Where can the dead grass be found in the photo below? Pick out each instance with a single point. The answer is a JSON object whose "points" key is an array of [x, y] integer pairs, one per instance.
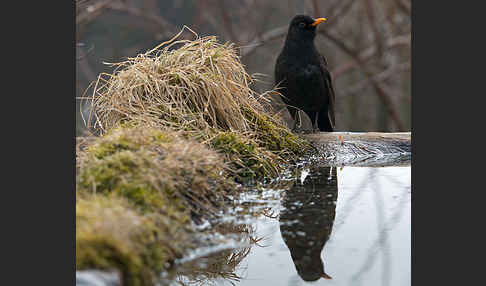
{"points": [[199, 85]]}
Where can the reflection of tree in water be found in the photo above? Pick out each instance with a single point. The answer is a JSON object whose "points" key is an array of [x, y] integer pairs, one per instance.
{"points": [[381, 243], [307, 219], [222, 264]]}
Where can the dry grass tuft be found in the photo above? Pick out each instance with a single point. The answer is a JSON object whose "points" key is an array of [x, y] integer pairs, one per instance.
{"points": [[198, 86]]}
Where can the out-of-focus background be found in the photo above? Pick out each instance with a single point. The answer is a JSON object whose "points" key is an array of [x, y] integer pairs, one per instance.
{"points": [[367, 44]]}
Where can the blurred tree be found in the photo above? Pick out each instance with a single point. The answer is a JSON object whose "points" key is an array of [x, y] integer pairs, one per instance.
{"points": [[367, 44]]}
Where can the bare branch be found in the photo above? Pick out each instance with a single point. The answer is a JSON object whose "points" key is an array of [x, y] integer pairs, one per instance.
{"points": [[404, 7], [198, 17], [344, 8], [367, 54], [228, 27], [90, 49], [85, 66], [168, 29], [260, 40], [382, 76], [315, 6], [385, 98], [378, 37], [86, 12], [279, 32]]}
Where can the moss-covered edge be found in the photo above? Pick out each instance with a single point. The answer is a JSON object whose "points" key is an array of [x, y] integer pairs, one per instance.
{"points": [[116, 166]]}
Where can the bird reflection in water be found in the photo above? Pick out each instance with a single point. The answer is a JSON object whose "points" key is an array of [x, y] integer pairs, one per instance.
{"points": [[307, 219]]}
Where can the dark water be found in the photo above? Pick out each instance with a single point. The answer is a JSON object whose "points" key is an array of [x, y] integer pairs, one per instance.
{"points": [[328, 226]]}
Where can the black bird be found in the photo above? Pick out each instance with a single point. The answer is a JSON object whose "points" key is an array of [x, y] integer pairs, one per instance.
{"points": [[302, 74]]}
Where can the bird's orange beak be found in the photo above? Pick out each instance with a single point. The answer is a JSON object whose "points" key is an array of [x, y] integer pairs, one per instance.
{"points": [[318, 21]]}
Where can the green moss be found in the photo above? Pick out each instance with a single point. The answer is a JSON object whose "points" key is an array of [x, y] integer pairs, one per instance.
{"points": [[110, 234], [120, 173], [262, 152], [156, 171], [275, 136], [105, 254], [233, 143], [248, 159], [118, 139]]}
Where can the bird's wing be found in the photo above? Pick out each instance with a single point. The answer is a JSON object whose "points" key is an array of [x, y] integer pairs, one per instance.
{"points": [[332, 97], [332, 101], [280, 78]]}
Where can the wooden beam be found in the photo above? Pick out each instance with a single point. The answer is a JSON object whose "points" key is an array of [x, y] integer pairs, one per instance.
{"points": [[362, 148], [372, 149]]}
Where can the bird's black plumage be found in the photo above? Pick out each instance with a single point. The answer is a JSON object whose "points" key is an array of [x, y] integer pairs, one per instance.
{"points": [[302, 74]]}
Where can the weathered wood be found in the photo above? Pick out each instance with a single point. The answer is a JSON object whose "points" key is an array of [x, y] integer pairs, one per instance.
{"points": [[356, 149], [362, 148], [395, 141]]}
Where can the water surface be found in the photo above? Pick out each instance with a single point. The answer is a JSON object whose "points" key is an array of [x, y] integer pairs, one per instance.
{"points": [[328, 226]]}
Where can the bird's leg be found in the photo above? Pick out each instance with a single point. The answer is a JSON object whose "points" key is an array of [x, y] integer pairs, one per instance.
{"points": [[297, 115], [293, 112], [313, 115], [315, 125], [293, 125]]}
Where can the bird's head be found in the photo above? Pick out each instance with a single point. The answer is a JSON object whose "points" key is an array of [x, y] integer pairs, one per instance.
{"points": [[311, 267], [304, 27]]}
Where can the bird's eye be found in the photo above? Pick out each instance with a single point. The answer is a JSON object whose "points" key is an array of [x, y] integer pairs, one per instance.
{"points": [[302, 24]]}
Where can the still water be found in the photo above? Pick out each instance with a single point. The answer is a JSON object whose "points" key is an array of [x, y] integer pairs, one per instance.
{"points": [[327, 226]]}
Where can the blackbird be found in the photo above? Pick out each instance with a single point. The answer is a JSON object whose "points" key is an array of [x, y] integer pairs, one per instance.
{"points": [[302, 75]]}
